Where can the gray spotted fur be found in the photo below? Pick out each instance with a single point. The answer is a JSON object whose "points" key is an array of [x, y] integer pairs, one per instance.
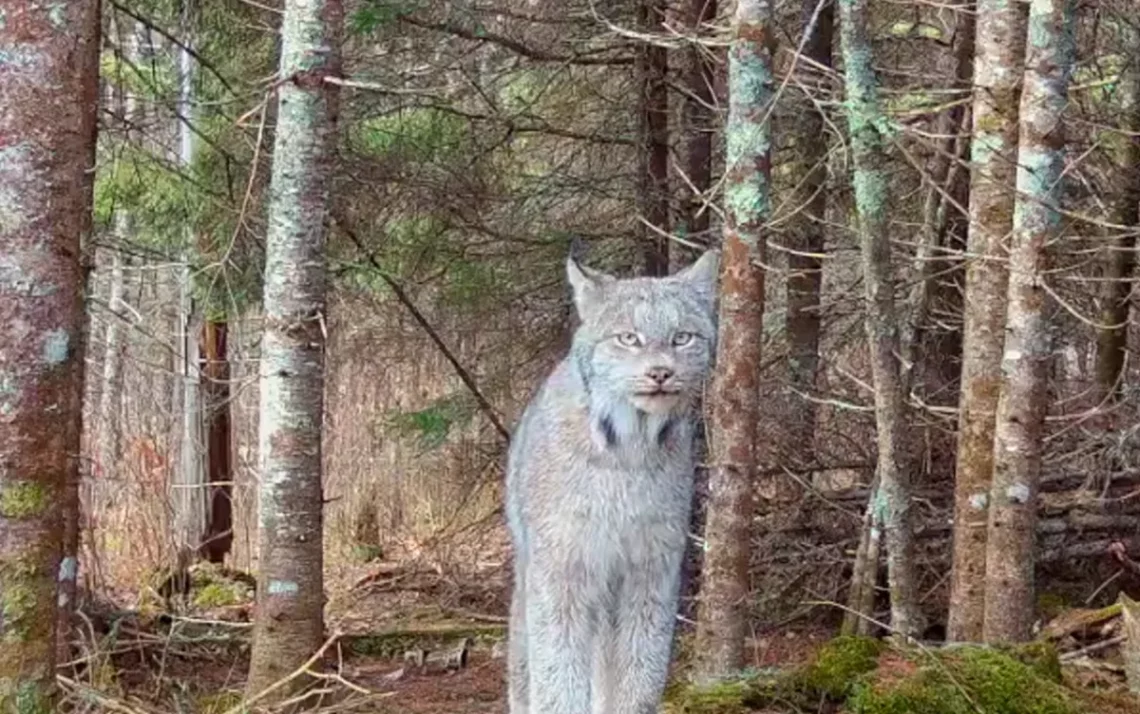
{"points": [[599, 489]]}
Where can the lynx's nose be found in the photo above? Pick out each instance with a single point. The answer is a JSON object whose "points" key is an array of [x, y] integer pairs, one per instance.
{"points": [[659, 374]]}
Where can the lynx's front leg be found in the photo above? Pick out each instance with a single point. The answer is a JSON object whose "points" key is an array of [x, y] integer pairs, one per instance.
{"points": [[517, 677], [561, 622], [647, 611]]}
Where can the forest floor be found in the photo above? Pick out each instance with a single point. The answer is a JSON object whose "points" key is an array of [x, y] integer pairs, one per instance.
{"points": [[399, 632], [409, 640]]}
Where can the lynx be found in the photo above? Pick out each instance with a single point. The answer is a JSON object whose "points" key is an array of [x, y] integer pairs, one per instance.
{"points": [[599, 489]]}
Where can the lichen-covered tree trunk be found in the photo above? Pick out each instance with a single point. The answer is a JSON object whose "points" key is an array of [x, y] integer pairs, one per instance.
{"points": [[1120, 259], [997, 81], [698, 121], [48, 83], [289, 624], [866, 121], [653, 179], [722, 619], [1011, 535], [806, 238]]}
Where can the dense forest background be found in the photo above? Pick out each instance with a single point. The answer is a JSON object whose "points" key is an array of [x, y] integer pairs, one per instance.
{"points": [[909, 268]]}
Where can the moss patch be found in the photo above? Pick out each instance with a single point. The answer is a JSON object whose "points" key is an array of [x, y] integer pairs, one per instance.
{"points": [[837, 666], [864, 676], [22, 499], [963, 681]]}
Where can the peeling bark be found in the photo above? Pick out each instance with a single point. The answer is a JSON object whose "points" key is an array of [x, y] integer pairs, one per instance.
{"points": [[1010, 540], [722, 619], [48, 86], [866, 122], [289, 624], [997, 85], [218, 536]]}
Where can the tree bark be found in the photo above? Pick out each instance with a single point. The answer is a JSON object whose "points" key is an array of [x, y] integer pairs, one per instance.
{"points": [[47, 132], [1011, 535], [1120, 259], [997, 85], [289, 624], [189, 476], [865, 120], [108, 431], [218, 536], [653, 181], [722, 619], [806, 237]]}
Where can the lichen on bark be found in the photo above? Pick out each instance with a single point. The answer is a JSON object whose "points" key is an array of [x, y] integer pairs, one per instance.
{"points": [[722, 617], [998, 52], [289, 624], [46, 146], [868, 127], [1019, 426]]}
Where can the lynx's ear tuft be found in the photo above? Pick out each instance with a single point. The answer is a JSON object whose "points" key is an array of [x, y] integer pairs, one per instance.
{"points": [[701, 276], [587, 285]]}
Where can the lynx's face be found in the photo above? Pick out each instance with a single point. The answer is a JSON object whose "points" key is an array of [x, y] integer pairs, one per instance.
{"points": [[649, 341]]}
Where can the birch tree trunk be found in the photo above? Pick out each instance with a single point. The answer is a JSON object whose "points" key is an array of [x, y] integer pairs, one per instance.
{"points": [[865, 121], [48, 98], [108, 431], [289, 623], [189, 483], [997, 84], [722, 618], [1120, 259], [653, 180], [1011, 537]]}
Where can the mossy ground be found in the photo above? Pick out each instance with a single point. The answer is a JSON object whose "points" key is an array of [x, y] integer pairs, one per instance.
{"points": [[862, 676]]}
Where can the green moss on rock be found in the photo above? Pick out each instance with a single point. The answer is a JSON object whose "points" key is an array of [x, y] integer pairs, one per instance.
{"points": [[961, 681], [729, 697], [837, 666]]}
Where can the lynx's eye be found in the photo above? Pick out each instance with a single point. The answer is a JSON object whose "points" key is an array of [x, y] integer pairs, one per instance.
{"points": [[680, 339], [629, 339]]}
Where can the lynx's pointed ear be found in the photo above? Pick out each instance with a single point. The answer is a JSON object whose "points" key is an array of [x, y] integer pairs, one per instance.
{"points": [[701, 276], [587, 285]]}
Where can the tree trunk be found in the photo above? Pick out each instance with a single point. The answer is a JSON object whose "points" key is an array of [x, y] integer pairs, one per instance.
{"points": [[653, 176], [189, 482], [1120, 259], [892, 498], [938, 286], [806, 237], [865, 573], [218, 537], [1011, 536], [47, 132], [108, 431], [997, 85], [289, 624], [699, 123], [733, 434]]}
